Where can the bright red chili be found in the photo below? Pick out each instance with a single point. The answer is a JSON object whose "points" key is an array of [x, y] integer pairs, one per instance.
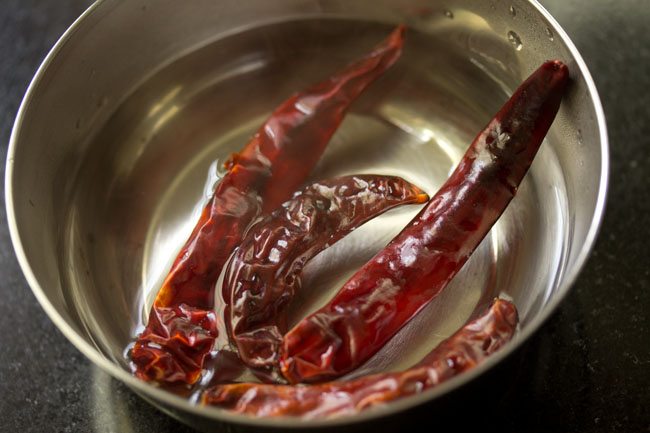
{"points": [[265, 271], [464, 350], [402, 278], [181, 328]]}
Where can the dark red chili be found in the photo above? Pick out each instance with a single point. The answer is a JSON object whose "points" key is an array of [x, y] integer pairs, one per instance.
{"points": [[464, 350], [264, 273], [264, 174], [402, 278]]}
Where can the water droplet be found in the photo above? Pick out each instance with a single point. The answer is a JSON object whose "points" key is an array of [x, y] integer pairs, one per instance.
{"points": [[513, 11], [515, 40], [549, 33], [449, 14]]}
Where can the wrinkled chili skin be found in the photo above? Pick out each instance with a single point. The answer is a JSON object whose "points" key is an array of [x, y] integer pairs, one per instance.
{"points": [[464, 350], [264, 273], [174, 336], [402, 278], [264, 174]]}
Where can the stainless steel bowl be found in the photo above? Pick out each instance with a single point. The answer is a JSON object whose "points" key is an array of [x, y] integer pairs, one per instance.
{"points": [[115, 138]]}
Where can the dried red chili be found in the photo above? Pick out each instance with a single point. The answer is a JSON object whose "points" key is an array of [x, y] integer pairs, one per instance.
{"points": [[464, 350], [264, 174], [402, 278], [264, 273]]}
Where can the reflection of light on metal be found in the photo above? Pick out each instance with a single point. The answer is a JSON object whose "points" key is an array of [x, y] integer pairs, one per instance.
{"points": [[408, 123], [161, 258], [562, 231], [494, 236], [161, 113], [472, 20], [165, 117], [420, 128], [245, 65], [165, 100], [498, 79]]}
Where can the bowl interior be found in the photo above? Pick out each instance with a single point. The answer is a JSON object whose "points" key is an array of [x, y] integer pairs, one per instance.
{"points": [[148, 171], [106, 189]]}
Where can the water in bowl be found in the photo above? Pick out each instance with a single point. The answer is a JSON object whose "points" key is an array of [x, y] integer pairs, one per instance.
{"points": [[165, 143]]}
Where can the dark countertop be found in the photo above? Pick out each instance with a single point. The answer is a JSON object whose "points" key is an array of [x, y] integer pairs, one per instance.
{"points": [[586, 370]]}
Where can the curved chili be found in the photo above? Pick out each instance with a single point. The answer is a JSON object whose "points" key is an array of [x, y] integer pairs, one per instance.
{"points": [[265, 271], [464, 350], [417, 264], [266, 172]]}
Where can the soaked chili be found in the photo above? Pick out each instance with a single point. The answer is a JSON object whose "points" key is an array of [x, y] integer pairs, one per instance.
{"points": [[181, 328], [464, 350], [402, 278], [265, 271]]}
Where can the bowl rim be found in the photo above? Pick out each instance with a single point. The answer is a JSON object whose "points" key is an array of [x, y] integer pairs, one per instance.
{"points": [[172, 402]]}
